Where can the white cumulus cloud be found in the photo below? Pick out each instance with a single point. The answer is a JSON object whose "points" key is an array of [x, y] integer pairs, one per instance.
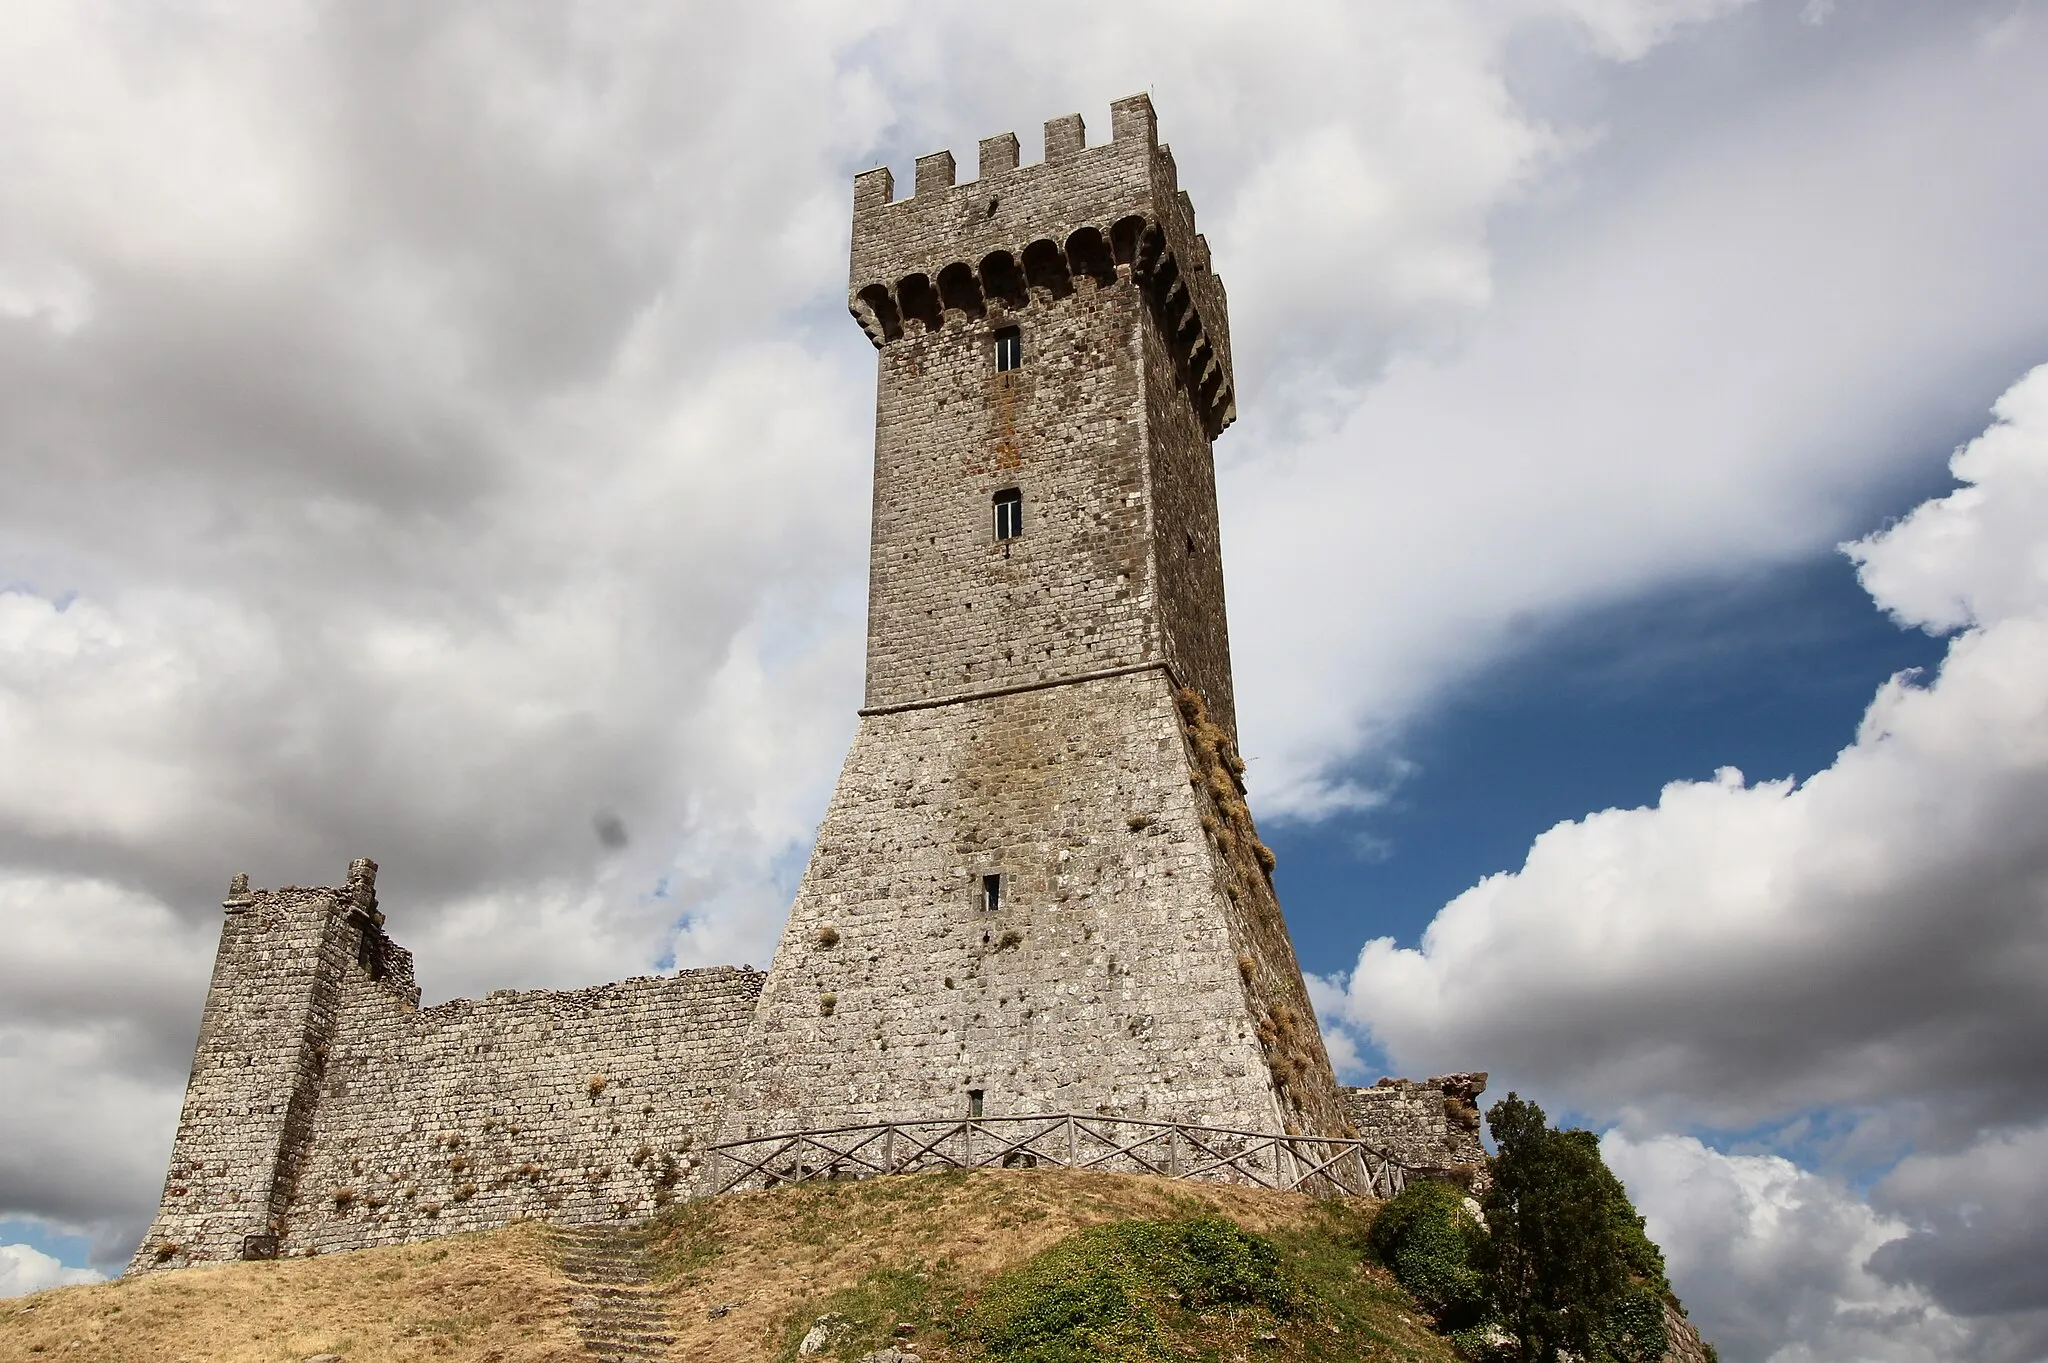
{"points": [[25, 1269]]}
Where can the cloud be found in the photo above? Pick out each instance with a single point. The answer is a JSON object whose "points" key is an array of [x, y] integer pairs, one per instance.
{"points": [[96, 1033], [25, 1269], [1979, 1219], [1703, 352], [1771, 1259], [1871, 939], [1889, 913]]}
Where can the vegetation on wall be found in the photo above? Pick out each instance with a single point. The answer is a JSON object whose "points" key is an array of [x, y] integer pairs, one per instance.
{"points": [[1281, 1011]]}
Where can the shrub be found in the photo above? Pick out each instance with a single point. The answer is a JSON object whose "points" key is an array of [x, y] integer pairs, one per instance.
{"points": [[1104, 1292], [1432, 1244]]}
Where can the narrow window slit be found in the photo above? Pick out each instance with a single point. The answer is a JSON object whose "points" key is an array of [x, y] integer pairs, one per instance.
{"points": [[1009, 349], [1009, 514]]}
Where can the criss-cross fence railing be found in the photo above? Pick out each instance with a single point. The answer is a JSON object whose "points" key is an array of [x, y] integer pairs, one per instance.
{"points": [[1323, 1165]]}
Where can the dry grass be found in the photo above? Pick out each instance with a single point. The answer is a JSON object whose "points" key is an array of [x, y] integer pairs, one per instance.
{"points": [[775, 1257], [491, 1298]]}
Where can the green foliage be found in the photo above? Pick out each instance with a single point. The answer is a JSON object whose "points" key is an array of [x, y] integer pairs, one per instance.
{"points": [[1570, 1266], [1108, 1292], [1188, 1286], [1431, 1243], [1634, 1328]]}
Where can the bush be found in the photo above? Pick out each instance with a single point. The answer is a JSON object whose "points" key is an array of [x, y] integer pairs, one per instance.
{"points": [[1101, 1294], [1432, 1244]]}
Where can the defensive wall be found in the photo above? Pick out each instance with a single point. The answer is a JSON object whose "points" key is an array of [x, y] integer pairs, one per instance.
{"points": [[328, 1110]]}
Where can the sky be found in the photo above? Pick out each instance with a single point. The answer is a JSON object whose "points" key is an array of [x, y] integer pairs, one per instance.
{"points": [[435, 434]]}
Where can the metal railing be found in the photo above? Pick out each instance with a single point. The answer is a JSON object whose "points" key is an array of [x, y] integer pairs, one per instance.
{"points": [[1325, 1166]]}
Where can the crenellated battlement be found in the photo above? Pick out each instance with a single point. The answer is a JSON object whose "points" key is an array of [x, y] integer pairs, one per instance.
{"points": [[1023, 236]]}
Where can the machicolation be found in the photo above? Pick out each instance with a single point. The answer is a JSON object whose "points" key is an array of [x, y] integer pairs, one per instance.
{"points": [[1038, 888]]}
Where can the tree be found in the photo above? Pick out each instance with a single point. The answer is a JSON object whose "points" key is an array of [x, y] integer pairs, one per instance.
{"points": [[1566, 1255]]}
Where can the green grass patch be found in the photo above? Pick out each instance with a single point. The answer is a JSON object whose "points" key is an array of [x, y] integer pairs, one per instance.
{"points": [[1131, 1292]]}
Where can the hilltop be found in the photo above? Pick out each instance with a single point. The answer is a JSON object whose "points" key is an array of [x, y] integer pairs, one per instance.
{"points": [[925, 1260]]}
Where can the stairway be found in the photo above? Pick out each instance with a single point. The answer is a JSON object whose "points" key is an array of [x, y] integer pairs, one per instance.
{"points": [[617, 1313]]}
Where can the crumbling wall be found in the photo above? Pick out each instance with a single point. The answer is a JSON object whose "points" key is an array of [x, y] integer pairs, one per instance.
{"points": [[1430, 1125], [263, 1037], [568, 1106], [327, 1111]]}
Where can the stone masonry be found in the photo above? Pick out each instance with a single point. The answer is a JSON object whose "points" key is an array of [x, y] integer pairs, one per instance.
{"points": [[1038, 887], [1049, 713], [328, 1110], [1432, 1126]]}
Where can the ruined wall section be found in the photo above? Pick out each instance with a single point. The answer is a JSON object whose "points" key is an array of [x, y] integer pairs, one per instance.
{"points": [[1430, 1125], [953, 610], [326, 1111], [263, 1040], [565, 1106], [1107, 981]]}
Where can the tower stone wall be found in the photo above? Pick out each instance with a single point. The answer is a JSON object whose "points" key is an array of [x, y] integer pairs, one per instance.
{"points": [[1104, 427], [1051, 709]]}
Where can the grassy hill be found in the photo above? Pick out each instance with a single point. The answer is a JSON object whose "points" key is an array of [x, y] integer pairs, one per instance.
{"points": [[989, 1265]]}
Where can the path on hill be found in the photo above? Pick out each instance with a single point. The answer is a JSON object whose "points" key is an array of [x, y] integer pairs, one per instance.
{"points": [[617, 1312]]}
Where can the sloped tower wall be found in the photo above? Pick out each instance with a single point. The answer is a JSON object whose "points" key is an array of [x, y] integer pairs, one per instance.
{"points": [[1052, 709]]}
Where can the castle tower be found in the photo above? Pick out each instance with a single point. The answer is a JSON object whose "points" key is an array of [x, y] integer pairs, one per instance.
{"points": [[1038, 888]]}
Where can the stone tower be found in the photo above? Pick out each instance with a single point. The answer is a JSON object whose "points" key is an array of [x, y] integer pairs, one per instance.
{"points": [[1038, 888]]}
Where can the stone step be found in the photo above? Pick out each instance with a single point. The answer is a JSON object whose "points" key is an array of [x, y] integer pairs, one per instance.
{"points": [[619, 1316]]}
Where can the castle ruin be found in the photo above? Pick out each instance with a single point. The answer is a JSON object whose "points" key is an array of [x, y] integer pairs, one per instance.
{"points": [[1038, 887]]}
